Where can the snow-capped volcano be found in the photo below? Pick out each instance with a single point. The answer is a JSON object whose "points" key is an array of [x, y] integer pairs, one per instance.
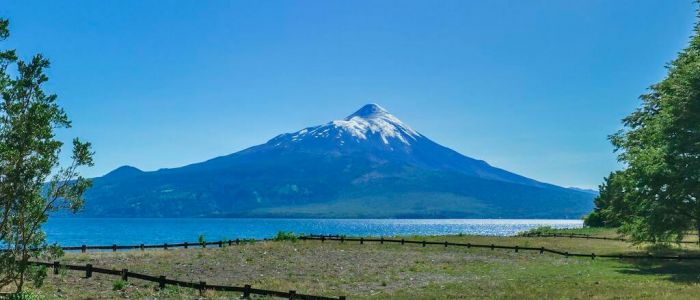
{"points": [[380, 137], [369, 164], [370, 124]]}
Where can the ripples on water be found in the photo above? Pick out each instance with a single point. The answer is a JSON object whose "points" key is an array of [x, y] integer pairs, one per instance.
{"points": [[107, 231]]}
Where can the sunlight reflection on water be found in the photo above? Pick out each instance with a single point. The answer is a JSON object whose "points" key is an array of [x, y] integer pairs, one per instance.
{"points": [[107, 231]]}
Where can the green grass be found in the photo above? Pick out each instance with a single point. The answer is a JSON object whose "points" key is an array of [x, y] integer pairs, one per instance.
{"points": [[597, 231], [392, 271], [27, 295], [118, 285]]}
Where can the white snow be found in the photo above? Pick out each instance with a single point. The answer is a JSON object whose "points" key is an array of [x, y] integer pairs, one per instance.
{"points": [[370, 121]]}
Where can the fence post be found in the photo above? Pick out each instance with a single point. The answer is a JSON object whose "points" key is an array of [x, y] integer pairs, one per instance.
{"points": [[592, 255], [541, 250], [142, 247], [246, 291], [56, 266], [323, 239], [492, 247], [161, 282], [402, 241], [362, 241], [292, 295], [88, 270], [445, 244], [83, 248], [469, 245], [125, 274], [114, 247], [165, 246], [202, 287], [516, 249], [186, 244], [381, 240], [423, 243]]}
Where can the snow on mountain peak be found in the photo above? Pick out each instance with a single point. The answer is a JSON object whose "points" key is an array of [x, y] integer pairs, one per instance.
{"points": [[369, 123], [368, 111], [373, 120]]}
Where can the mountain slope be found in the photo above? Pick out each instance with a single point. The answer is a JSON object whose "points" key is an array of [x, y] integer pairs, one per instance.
{"points": [[369, 164]]}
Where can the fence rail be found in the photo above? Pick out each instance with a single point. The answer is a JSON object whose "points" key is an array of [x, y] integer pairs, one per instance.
{"points": [[162, 281], [186, 245], [342, 238], [586, 236], [541, 250]]}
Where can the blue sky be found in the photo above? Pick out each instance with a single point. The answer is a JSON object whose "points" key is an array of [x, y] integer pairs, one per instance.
{"points": [[533, 87]]}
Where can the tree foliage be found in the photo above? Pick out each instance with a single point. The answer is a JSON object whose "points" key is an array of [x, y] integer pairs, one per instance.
{"points": [[32, 182], [610, 205], [656, 196]]}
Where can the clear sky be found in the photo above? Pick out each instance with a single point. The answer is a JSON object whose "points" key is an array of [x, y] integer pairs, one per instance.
{"points": [[533, 87]]}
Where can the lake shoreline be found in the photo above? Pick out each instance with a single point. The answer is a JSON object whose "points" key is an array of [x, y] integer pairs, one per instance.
{"points": [[130, 231]]}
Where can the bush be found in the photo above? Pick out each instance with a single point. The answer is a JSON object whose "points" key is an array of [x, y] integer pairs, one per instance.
{"points": [[202, 240], [538, 230], [37, 274], [594, 219], [286, 236], [118, 285]]}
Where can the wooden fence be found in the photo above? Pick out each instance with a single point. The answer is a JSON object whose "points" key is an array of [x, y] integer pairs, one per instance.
{"points": [[541, 250], [586, 236], [185, 245], [340, 238], [247, 290], [162, 281]]}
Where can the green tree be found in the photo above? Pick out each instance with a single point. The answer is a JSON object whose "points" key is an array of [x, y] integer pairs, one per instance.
{"points": [[32, 182], [660, 147], [611, 207]]}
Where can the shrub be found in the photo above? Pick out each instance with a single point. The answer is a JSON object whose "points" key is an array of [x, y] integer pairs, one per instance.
{"points": [[286, 236], [538, 230], [595, 219], [202, 240], [37, 275], [118, 285]]}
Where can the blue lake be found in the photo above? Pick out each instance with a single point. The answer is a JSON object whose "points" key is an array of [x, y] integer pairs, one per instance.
{"points": [[108, 231]]}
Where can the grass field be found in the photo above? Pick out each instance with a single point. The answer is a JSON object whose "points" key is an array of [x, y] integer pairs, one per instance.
{"points": [[374, 271]]}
